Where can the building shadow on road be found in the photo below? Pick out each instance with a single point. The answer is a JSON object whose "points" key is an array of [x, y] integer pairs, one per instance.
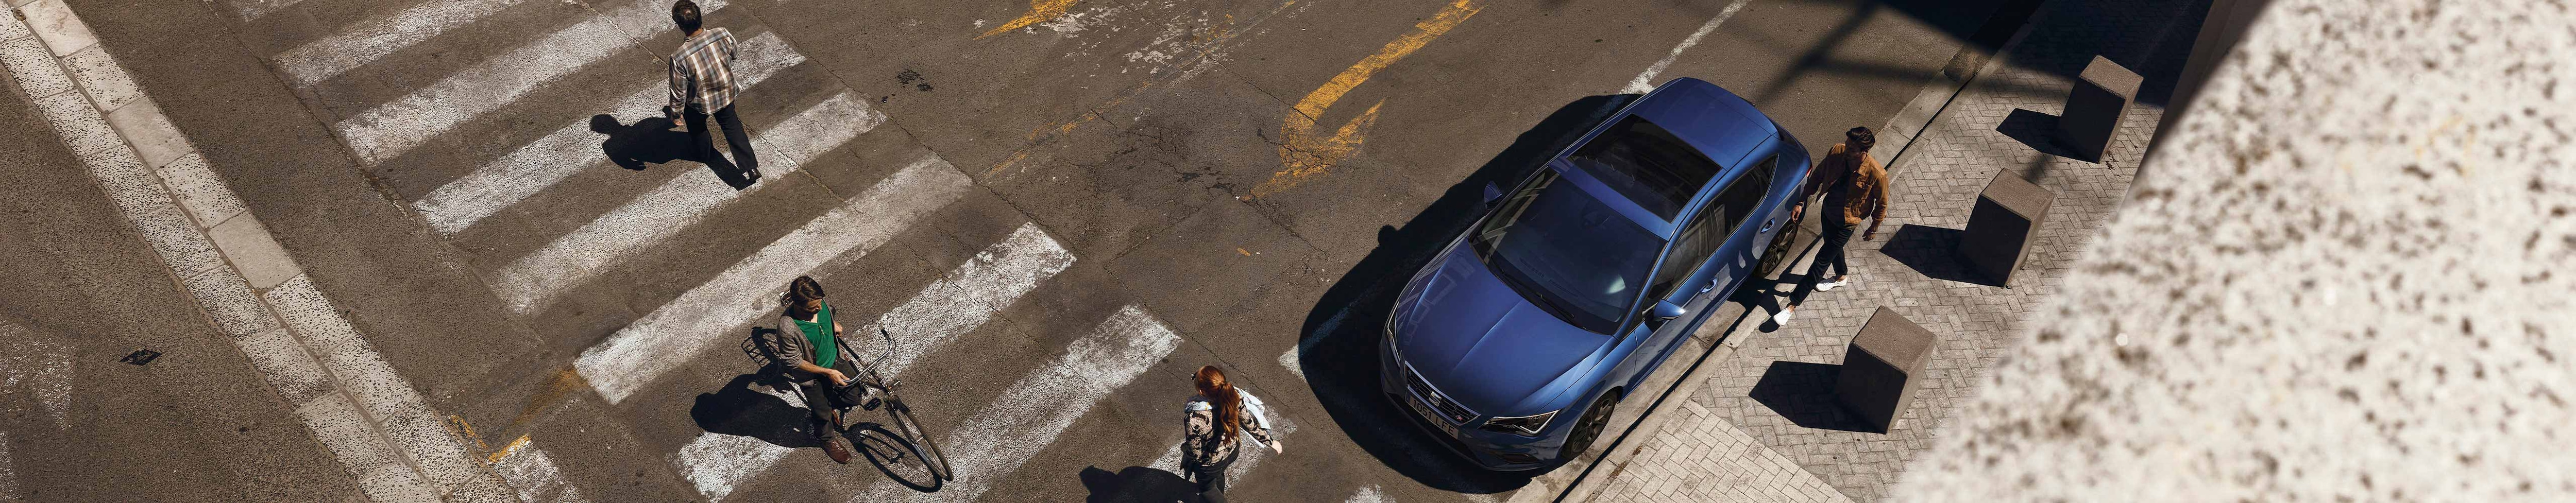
{"points": [[653, 141], [1136, 484], [1803, 393], [1338, 348]]}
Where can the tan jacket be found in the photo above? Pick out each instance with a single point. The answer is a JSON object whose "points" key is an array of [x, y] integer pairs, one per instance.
{"points": [[1852, 184]]}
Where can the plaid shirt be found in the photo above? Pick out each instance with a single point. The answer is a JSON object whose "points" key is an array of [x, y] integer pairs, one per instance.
{"points": [[702, 73]]}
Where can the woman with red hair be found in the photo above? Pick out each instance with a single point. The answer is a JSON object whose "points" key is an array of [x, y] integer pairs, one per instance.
{"points": [[1216, 424]]}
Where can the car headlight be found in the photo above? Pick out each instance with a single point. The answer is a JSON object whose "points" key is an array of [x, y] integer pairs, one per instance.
{"points": [[1527, 426]]}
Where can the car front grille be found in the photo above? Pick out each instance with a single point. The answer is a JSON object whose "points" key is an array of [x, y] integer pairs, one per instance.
{"points": [[1423, 391]]}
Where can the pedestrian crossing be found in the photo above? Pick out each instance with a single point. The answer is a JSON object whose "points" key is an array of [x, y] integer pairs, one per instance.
{"points": [[677, 342]]}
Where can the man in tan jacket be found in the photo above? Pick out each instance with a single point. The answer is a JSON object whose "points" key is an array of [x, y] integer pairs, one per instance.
{"points": [[1855, 189]]}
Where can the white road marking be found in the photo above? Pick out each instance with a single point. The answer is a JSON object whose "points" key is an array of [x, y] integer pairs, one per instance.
{"points": [[251, 10], [712, 312], [371, 40], [40, 366], [536, 476], [715, 463], [372, 421], [1369, 494], [1034, 411], [393, 128], [1289, 359], [533, 281], [1645, 81], [945, 311], [539, 164]]}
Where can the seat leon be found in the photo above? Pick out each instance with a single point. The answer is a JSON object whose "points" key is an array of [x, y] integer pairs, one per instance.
{"points": [[1516, 341]]}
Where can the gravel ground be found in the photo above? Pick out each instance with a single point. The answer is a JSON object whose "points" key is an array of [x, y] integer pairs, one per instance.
{"points": [[2338, 281]]}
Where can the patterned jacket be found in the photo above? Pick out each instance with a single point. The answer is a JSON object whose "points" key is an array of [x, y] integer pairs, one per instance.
{"points": [[1200, 446]]}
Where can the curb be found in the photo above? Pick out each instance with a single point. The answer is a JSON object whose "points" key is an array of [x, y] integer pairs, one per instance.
{"points": [[1909, 124]]}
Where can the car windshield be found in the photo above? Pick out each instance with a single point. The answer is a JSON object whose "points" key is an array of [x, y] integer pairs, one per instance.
{"points": [[1647, 164], [1568, 252]]}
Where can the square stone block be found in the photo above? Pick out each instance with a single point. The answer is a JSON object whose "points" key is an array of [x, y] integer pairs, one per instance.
{"points": [[2093, 110], [1882, 367], [2003, 225]]}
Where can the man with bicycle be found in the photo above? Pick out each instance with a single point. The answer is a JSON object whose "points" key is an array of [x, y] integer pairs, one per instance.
{"points": [[809, 341]]}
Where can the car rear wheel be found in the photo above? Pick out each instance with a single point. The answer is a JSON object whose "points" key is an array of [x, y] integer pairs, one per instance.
{"points": [[1588, 430]]}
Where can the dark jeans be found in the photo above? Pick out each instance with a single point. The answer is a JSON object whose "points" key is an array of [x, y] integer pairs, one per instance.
{"points": [[705, 144], [1211, 479], [1835, 235], [820, 392]]}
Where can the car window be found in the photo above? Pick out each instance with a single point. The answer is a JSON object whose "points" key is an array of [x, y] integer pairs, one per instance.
{"points": [[1567, 252], [1646, 164], [1707, 230]]}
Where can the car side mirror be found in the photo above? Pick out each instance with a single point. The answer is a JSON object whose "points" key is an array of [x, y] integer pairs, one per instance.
{"points": [[1666, 310], [1493, 193]]}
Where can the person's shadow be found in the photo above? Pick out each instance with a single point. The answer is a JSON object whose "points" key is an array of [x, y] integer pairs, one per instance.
{"points": [[654, 141], [742, 410], [1136, 484]]}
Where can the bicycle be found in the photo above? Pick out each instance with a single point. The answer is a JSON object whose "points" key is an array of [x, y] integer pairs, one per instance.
{"points": [[886, 449]]}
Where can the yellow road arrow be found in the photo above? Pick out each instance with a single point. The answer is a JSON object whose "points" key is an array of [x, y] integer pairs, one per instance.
{"points": [[1302, 153], [1040, 11]]}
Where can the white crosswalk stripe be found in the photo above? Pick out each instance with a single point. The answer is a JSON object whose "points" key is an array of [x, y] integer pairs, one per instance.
{"points": [[947, 310], [1029, 416], [375, 38], [393, 128], [703, 317], [539, 164], [534, 280]]}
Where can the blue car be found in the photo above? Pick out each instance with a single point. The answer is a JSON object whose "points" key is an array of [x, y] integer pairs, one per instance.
{"points": [[1516, 341]]}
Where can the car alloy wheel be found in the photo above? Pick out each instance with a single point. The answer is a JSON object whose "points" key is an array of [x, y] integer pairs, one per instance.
{"points": [[1589, 429], [1777, 255]]}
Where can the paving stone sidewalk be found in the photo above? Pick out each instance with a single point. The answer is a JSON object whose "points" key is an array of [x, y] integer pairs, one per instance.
{"points": [[1771, 400]]}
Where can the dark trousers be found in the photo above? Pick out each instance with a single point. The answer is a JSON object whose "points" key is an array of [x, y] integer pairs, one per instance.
{"points": [[1835, 235], [705, 144], [824, 399], [1211, 479]]}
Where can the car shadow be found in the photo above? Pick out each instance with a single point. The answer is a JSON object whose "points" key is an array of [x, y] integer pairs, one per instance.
{"points": [[1803, 393], [1136, 484], [1337, 350]]}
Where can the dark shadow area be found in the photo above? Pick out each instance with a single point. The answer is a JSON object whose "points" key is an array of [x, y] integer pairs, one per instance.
{"points": [[2067, 35], [1983, 25], [741, 409], [1804, 393], [885, 450], [653, 140], [1136, 484], [1338, 348], [2039, 131], [1762, 296], [1932, 252]]}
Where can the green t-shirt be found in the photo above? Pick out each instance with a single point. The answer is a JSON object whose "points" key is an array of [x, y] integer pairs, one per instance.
{"points": [[818, 333]]}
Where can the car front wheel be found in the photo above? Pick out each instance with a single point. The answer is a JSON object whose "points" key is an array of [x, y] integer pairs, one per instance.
{"points": [[1589, 429]]}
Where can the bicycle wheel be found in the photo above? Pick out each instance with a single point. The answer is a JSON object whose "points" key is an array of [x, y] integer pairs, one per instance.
{"points": [[897, 457], [910, 428]]}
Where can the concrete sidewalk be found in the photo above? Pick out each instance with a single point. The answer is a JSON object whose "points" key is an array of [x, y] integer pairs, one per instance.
{"points": [[1761, 425]]}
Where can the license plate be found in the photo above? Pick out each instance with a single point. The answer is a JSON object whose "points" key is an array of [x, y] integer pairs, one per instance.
{"points": [[1424, 410]]}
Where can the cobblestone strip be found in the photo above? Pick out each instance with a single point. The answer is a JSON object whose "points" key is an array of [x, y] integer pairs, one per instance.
{"points": [[378, 427]]}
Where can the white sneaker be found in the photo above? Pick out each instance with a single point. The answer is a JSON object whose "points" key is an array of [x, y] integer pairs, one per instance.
{"points": [[1782, 318], [1831, 285]]}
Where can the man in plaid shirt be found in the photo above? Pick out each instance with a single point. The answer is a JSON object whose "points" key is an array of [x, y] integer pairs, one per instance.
{"points": [[702, 85]]}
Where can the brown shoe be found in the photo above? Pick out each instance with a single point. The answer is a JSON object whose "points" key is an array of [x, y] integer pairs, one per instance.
{"points": [[839, 450]]}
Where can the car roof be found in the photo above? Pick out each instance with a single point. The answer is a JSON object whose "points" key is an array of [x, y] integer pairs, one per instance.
{"points": [[1723, 125]]}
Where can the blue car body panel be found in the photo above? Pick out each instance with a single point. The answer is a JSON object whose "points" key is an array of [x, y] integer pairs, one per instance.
{"points": [[1479, 344]]}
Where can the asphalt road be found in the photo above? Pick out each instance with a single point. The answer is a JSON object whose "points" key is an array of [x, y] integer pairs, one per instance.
{"points": [[1060, 218]]}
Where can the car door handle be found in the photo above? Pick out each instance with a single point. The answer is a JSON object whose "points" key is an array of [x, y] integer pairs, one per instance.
{"points": [[1766, 226]]}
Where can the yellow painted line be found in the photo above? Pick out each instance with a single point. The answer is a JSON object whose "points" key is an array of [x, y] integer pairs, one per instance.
{"points": [[505, 451], [565, 380], [1040, 11], [1303, 154]]}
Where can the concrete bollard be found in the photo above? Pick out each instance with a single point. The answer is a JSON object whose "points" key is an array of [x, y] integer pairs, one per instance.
{"points": [[2003, 225], [1882, 367], [2093, 110]]}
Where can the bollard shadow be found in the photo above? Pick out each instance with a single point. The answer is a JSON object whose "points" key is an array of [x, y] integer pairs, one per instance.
{"points": [[653, 141], [1803, 393], [1136, 484], [1932, 252], [1337, 350], [2039, 131]]}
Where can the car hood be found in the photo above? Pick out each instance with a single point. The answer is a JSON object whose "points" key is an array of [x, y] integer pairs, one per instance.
{"points": [[1480, 342]]}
